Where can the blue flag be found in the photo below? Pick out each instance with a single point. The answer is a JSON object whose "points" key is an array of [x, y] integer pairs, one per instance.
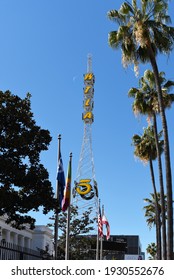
{"points": [[60, 181]]}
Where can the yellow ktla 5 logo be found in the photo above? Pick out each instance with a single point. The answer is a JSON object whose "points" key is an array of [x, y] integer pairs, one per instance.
{"points": [[83, 187]]}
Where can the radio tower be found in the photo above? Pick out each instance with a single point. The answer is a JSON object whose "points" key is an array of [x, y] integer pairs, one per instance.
{"points": [[85, 192]]}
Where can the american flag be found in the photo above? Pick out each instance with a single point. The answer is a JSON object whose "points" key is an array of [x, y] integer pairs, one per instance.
{"points": [[100, 224]]}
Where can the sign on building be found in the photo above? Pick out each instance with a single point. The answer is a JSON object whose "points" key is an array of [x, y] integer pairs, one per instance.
{"points": [[133, 257]]}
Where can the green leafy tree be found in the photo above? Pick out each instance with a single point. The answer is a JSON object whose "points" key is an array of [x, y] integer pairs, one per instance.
{"points": [[144, 32], [24, 183], [145, 150], [81, 245], [146, 103]]}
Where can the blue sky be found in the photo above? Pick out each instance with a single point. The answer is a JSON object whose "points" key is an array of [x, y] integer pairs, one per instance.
{"points": [[43, 50]]}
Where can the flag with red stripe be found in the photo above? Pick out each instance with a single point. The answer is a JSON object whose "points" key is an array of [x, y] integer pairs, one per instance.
{"points": [[100, 225], [105, 222], [67, 190]]}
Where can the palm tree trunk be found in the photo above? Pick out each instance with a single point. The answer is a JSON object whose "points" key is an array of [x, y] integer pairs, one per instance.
{"points": [[157, 213], [167, 158], [163, 210]]}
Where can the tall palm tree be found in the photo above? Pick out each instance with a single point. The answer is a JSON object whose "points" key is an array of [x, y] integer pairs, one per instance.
{"points": [[150, 212], [145, 150], [151, 249], [143, 32], [150, 208], [146, 103]]}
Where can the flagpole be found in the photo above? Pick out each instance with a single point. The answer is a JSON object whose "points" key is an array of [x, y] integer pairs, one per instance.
{"points": [[97, 247], [68, 223], [56, 210], [101, 240], [67, 235]]}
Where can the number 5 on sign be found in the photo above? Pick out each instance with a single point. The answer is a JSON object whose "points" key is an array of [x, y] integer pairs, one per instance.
{"points": [[86, 187]]}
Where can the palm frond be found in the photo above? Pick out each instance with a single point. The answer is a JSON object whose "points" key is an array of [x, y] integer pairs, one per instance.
{"points": [[116, 17], [126, 8], [132, 92], [112, 40], [169, 84]]}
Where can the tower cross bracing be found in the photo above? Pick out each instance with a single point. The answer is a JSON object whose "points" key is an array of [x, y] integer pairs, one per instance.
{"points": [[85, 191]]}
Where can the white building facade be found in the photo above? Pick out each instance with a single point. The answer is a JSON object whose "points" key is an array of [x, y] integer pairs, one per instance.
{"points": [[41, 238]]}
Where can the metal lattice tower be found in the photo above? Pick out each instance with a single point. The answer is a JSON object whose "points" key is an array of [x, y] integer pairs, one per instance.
{"points": [[85, 192]]}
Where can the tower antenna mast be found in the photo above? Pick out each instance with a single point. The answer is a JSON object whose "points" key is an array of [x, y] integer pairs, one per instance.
{"points": [[89, 63], [85, 191]]}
